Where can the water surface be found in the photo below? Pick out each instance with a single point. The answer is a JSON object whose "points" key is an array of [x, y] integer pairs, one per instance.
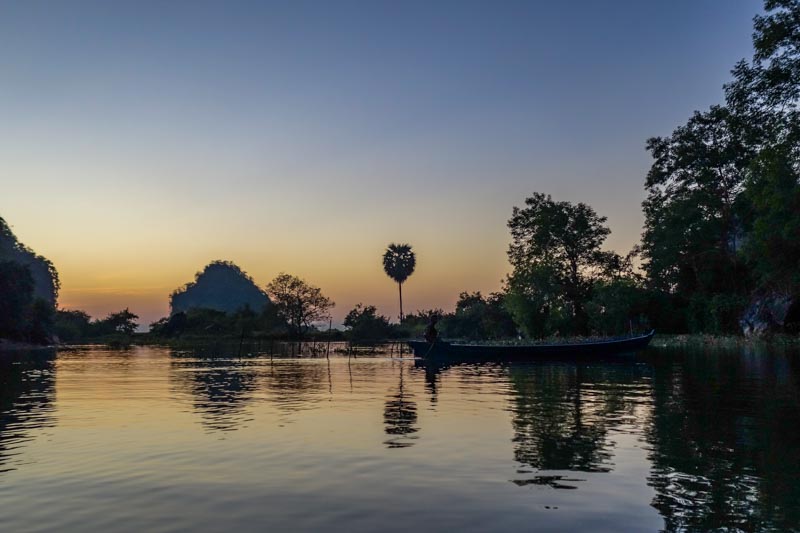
{"points": [[150, 438]]}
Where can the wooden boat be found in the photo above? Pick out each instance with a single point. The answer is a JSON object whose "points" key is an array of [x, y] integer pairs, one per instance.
{"points": [[441, 350]]}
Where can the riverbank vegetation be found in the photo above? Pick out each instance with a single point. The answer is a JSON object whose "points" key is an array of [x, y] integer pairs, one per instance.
{"points": [[719, 254]]}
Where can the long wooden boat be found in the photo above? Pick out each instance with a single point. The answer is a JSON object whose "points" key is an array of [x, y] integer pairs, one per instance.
{"points": [[441, 350]]}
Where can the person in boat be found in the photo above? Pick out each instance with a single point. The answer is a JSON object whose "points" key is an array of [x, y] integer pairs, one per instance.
{"points": [[430, 332]]}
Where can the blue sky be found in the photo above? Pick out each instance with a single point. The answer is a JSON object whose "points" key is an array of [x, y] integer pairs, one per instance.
{"points": [[141, 140]]}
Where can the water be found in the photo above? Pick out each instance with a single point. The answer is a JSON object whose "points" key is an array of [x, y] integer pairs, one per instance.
{"points": [[155, 439]]}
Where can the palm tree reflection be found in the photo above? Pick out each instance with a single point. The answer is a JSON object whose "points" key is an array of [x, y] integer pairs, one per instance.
{"points": [[400, 416]]}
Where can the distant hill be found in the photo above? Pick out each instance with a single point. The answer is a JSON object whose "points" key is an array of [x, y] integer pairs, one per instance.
{"points": [[45, 276], [222, 286]]}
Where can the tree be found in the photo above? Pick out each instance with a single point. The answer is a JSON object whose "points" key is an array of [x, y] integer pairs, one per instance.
{"points": [[773, 246], [16, 297], [71, 325], [398, 263], [765, 96], [120, 322], [556, 258], [298, 302], [477, 317], [364, 323], [693, 212]]}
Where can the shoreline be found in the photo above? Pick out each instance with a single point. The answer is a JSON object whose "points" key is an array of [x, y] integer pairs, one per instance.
{"points": [[16, 346]]}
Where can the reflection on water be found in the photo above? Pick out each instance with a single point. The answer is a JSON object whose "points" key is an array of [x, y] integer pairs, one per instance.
{"points": [[400, 416], [152, 438], [27, 388], [725, 441], [220, 389]]}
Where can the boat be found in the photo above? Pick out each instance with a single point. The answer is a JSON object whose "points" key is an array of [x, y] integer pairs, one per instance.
{"points": [[446, 351]]}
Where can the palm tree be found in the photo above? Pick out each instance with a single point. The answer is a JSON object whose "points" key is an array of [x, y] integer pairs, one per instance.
{"points": [[398, 263]]}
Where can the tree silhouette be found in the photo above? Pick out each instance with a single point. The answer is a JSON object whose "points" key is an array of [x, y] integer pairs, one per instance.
{"points": [[398, 263], [298, 302]]}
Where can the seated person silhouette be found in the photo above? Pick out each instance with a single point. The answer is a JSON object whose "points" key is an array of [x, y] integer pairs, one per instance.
{"points": [[430, 332]]}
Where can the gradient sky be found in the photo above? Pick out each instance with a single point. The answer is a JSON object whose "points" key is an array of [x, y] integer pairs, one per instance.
{"points": [[141, 140]]}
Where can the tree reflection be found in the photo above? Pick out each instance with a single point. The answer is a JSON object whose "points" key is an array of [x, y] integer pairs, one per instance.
{"points": [[725, 437], [561, 419], [294, 383], [400, 416], [27, 391], [220, 389]]}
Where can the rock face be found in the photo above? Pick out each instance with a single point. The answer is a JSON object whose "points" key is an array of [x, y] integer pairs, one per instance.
{"points": [[222, 286], [767, 313], [45, 276]]}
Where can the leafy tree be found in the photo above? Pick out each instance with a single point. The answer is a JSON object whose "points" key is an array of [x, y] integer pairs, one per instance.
{"points": [[695, 212], [45, 277], [364, 323], [556, 259], [773, 246], [123, 322], [721, 217], [765, 95], [692, 230], [414, 324], [298, 302], [16, 297], [399, 262], [477, 317], [71, 325], [616, 305]]}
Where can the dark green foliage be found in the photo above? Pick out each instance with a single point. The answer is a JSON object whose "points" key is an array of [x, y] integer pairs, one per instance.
{"points": [[16, 299], [200, 322], [365, 324], [71, 326], [222, 286], [414, 324], [773, 246], [556, 258], [43, 273], [399, 262], [298, 303], [477, 317], [692, 221], [722, 217], [122, 322], [28, 291], [617, 306]]}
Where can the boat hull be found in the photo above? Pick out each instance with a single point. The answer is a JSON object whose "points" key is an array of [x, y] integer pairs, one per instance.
{"points": [[442, 350]]}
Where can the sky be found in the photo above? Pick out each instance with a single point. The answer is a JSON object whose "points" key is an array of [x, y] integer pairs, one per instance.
{"points": [[141, 140]]}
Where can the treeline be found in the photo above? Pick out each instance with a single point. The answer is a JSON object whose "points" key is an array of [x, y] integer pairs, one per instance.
{"points": [[224, 300], [28, 291], [76, 326], [720, 251], [722, 216]]}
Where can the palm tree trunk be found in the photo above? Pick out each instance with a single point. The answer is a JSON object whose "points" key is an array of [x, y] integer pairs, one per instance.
{"points": [[400, 286]]}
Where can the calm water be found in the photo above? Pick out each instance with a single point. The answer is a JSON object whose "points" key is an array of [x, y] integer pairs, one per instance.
{"points": [[162, 440]]}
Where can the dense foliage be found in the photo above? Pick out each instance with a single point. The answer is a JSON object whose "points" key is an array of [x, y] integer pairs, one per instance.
{"points": [[363, 323], [77, 326], [722, 216], [28, 290], [557, 260], [298, 303]]}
